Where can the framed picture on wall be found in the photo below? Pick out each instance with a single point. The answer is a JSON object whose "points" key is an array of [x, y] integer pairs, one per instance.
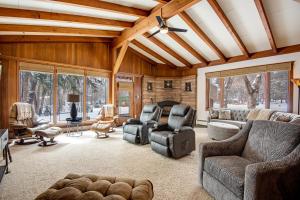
{"points": [[188, 86], [149, 86], [168, 84]]}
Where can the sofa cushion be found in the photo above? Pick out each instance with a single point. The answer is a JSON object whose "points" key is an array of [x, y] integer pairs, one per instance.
{"points": [[295, 121], [264, 114], [239, 124], [282, 116], [161, 137], [239, 114], [229, 170], [224, 114], [269, 140]]}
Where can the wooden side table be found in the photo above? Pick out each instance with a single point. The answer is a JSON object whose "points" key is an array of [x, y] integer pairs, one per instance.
{"points": [[6, 153]]}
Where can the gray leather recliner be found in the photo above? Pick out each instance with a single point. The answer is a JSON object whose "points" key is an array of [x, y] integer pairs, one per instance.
{"points": [[136, 130], [176, 138]]}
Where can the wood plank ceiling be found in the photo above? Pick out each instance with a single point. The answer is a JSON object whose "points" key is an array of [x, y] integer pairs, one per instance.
{"points": [[218, 31]]}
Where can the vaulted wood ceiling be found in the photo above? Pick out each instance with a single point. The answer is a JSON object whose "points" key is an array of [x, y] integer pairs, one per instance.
{"points": [[219, 31]]}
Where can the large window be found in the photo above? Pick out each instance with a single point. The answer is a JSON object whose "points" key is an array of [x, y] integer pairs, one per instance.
{"points": [[36, 89], [96, 95], [47, 88], [69, 84], [265, 89]]}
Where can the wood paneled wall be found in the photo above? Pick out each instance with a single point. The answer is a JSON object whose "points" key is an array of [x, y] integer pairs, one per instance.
{"points": [[177, 93], [94, 55]]}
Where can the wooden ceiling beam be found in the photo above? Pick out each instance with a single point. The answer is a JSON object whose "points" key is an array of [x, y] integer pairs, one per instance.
{"points": [[162, 1], [52, 38], [189, 21], [167, 49], [112, 7], [168, 10], [52, 29], [120, 58], [142, 56], [31, 14], [152, 53], [266, 24], [261, 54], [185, 45], [218, 10]]}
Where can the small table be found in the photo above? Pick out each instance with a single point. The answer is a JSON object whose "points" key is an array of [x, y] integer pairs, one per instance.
{"points": [[221, 131], [74, 123], [6, 153]]}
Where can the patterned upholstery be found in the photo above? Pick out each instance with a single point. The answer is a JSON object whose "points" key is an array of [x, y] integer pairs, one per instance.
{"points": [[92, 187], [280, 116], [261, 162], [239, 115]]}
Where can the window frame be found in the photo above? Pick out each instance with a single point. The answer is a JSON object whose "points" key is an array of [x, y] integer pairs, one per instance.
{"points": [[55, 71], [258, 69]]}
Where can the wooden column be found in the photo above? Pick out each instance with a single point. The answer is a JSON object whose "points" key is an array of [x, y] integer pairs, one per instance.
{"points": [[222, 91], [267, 84], [55, 87]]}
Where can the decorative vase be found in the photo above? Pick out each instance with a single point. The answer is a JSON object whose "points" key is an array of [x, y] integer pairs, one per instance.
{"points": [[73, 112]]}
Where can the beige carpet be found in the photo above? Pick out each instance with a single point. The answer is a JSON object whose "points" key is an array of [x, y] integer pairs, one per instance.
{"points": [[35, 168]]}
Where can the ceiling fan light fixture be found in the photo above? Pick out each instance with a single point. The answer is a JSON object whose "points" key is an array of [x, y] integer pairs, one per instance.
{"points": [[164, 30]]}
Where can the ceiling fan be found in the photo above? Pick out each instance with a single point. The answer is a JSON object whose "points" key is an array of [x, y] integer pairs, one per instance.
{"points": [[164, 28]]}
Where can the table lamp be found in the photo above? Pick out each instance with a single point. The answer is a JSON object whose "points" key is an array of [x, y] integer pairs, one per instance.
{"points": [[296, 81], [73, 98]]}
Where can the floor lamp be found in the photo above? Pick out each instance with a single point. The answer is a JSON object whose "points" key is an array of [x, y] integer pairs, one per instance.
{"points": [[297, 82]]}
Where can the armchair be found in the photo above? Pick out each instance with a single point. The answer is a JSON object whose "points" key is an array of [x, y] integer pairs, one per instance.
{"points": [[23, 122], [106, 121], [261, 162], [176, 138], [136, 130]]}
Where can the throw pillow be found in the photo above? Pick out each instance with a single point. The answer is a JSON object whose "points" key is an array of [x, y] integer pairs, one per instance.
{"points": [[283, 118], [253, 114], [264, 114], [224, 114], [214, 114]]}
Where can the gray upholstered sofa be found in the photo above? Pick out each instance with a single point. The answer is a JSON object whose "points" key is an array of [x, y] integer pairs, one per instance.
{"points": [[176, 138], [136, 130], [261, 162], [239, 116]]}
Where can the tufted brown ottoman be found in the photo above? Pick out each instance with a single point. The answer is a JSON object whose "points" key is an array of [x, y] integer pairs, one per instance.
{"points": [[92, 187]]}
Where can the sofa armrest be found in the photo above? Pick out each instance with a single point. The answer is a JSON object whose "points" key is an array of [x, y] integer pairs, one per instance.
{"points": [[159, 127], [151, 123], [232, 146], [133, 121], [182, 141], [278, 178]]}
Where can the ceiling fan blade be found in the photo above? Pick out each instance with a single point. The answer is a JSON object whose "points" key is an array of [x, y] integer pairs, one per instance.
{"points": [[171, 29], [153, 33], [160, 21]]}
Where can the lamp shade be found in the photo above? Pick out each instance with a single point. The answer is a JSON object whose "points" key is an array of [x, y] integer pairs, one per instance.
{"points": [[73, 98]]}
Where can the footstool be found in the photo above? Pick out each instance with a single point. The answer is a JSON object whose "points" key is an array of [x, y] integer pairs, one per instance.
{"points": [[50, 133], [92, 187], [221, 131], [102, 129]]}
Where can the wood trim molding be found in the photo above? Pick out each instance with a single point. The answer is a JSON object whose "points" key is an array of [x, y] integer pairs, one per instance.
{"points": [[189, 21], [32, 14], [51, 29], [104, 71], [218, 10], [167, 49], [185, 45], [168, 10], [266, 24], [153, 53], [111, 7], [52, 38]]}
